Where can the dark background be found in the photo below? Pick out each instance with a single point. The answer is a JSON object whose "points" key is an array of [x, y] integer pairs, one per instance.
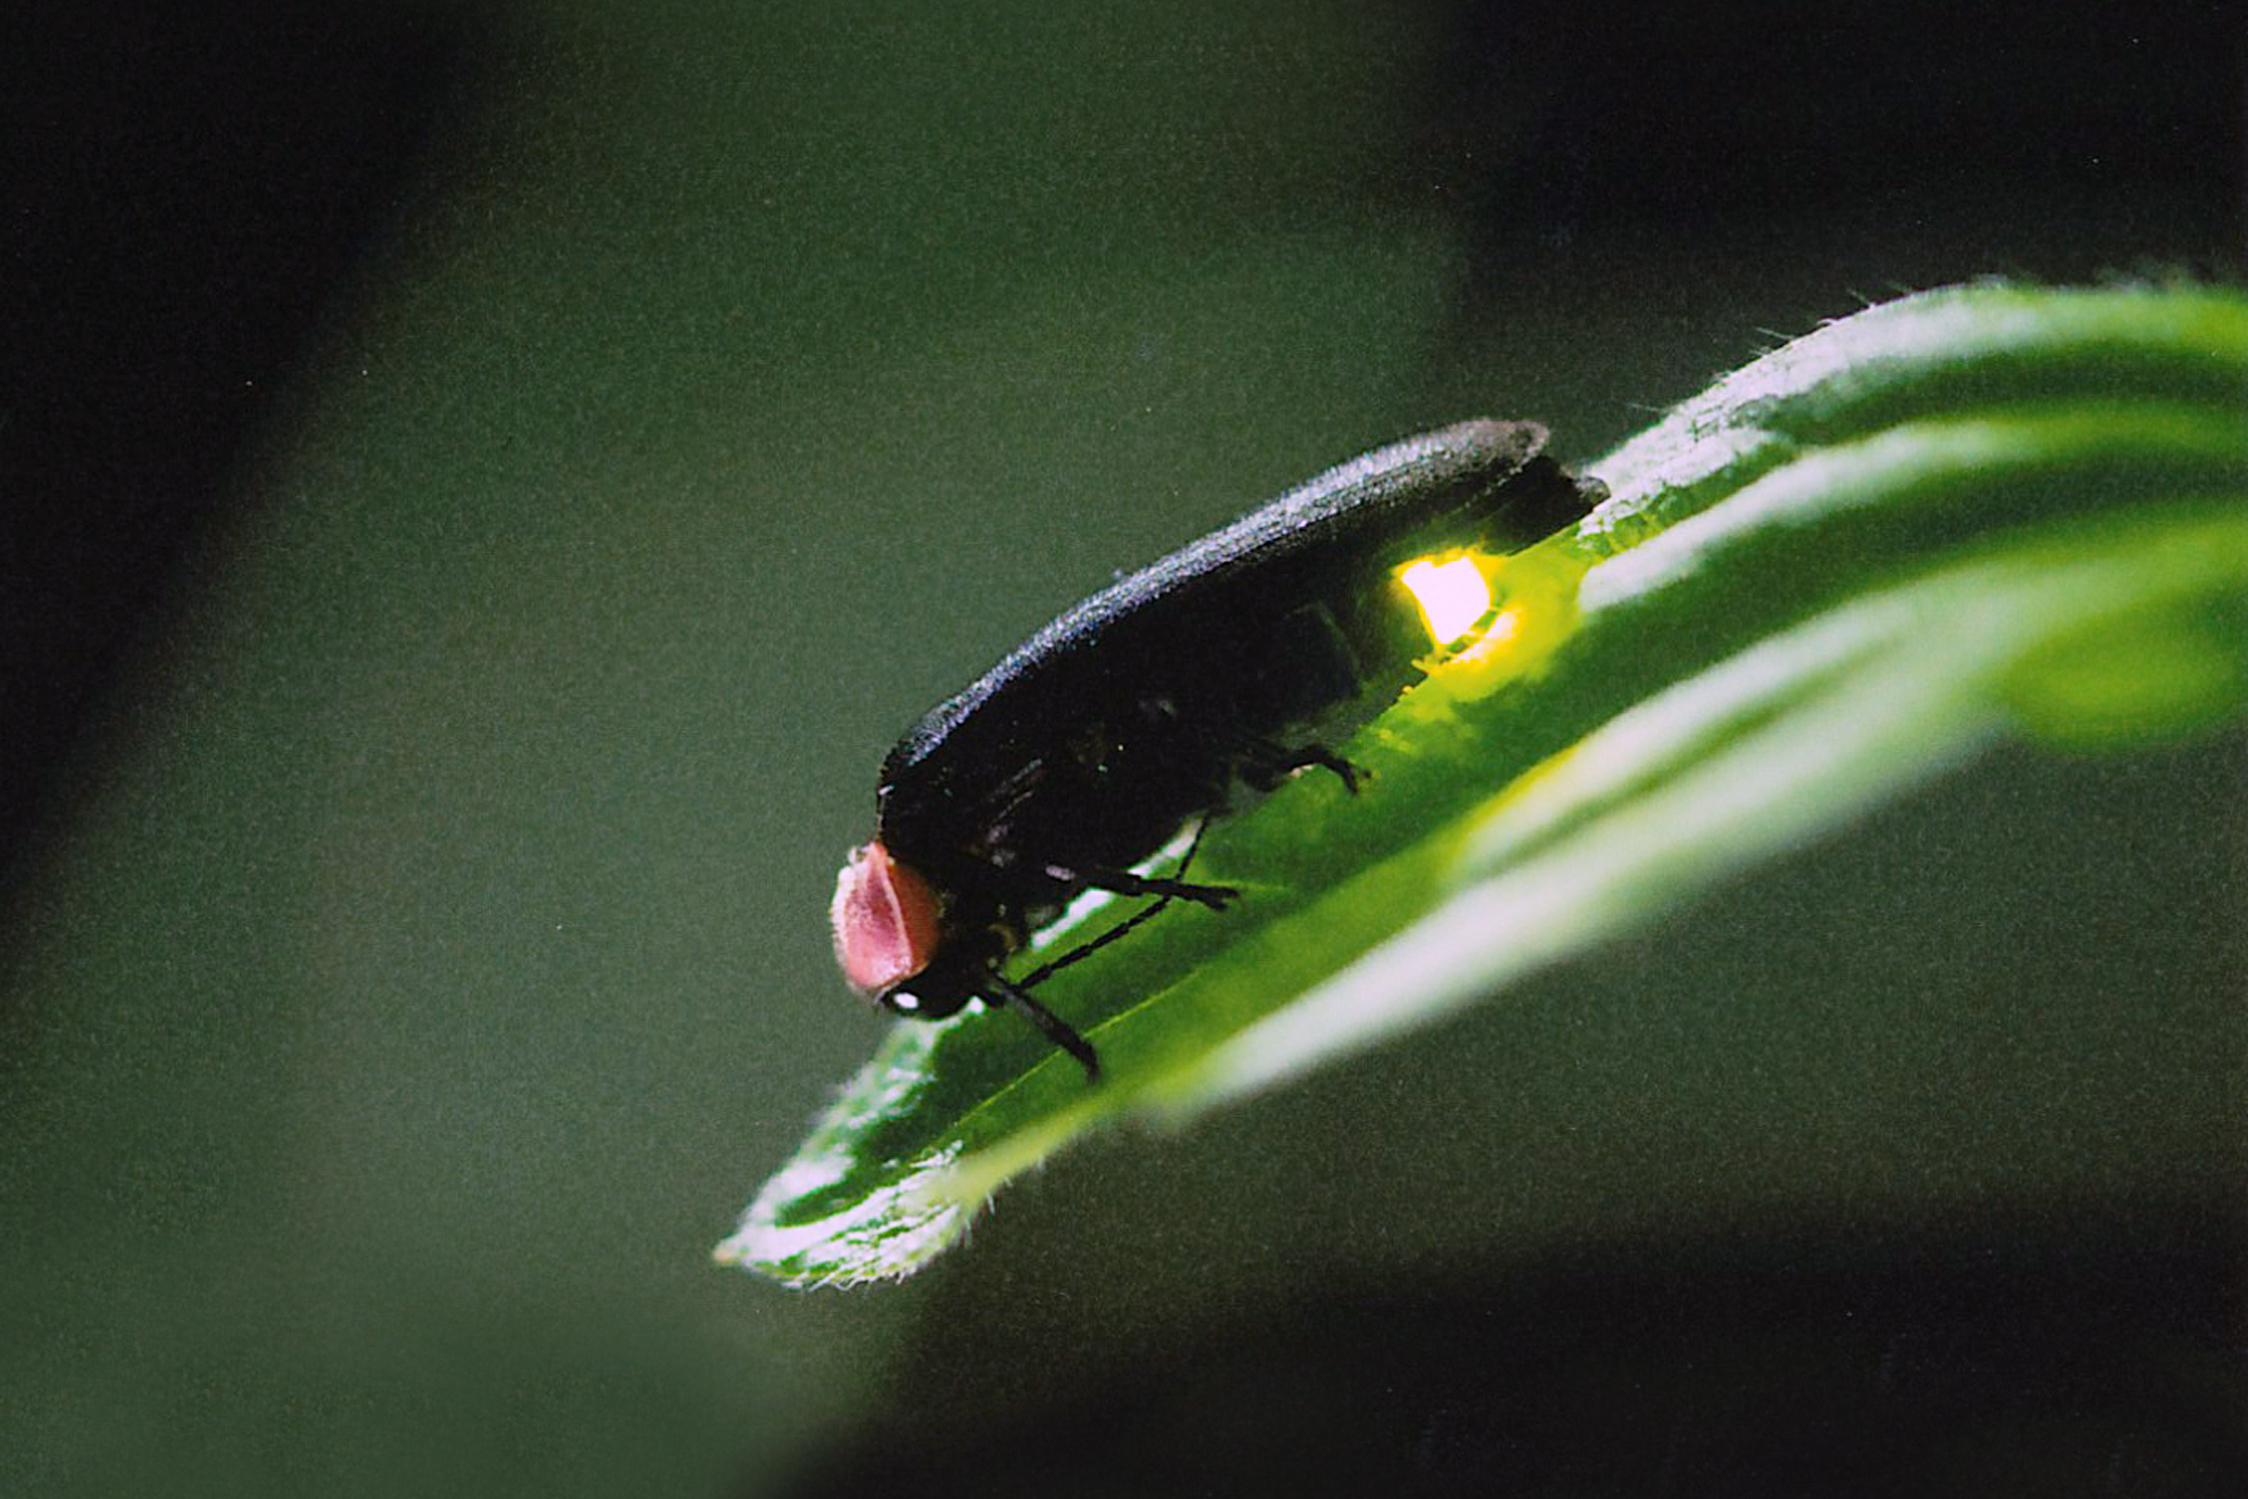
{"points": [[483, 486]]}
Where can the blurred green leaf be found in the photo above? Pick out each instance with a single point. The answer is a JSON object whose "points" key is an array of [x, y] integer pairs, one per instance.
{"points": [[1983, 512]]}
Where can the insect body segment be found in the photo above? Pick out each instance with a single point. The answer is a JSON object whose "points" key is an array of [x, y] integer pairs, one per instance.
{"points": [[1228, 663], [885, 919]]}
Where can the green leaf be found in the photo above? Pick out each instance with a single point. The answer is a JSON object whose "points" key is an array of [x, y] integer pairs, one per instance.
{"points": [[1984, 512]]}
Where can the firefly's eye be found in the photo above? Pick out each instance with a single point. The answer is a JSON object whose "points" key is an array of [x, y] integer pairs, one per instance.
{"points": [[885, 920]]}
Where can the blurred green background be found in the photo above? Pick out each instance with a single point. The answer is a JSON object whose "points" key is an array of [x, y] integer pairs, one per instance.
{"points": [[489, 484]]}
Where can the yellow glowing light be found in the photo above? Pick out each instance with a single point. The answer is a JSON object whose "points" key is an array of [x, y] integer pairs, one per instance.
{"points": [[1454, 596]]}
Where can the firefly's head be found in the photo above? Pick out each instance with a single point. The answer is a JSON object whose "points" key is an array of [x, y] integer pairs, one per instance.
{"points": [[889, 935]]}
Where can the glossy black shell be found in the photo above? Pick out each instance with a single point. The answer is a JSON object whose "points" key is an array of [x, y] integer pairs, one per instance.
{"points": [[1094, 740]]}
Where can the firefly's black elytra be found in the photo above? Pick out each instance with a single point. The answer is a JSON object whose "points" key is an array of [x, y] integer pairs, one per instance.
{"points": [[1093, 742]]}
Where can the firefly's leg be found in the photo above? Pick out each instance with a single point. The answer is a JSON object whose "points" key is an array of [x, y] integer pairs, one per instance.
{"points": [[1124, 882], [1137, 919], [1050, 1025], [1264, 764]]}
